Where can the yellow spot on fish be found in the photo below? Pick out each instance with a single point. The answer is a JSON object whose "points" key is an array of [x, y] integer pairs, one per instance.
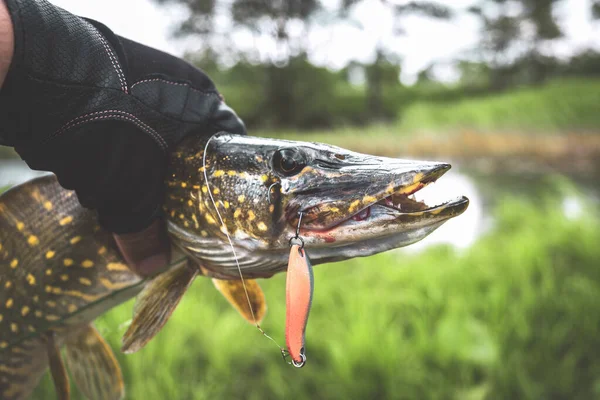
{"points": [[195, 220], [204, 234], [9, 303], [262, 226], [51, 303], [437, 210], [258, 158], [71, 308], [31, 328], [87, 264], [20, 225], [353, 206], [64, 277], [409, 188], [85, 281], [237, 213], [216, 191], [231, 173], [251, 215], [271, 208], [418, 176], [3, 345], [75, 239], [186, 224], [210, 219], [204, 189], [201, 169], [48, 205], [219, 173], [172, 213], [0, 246], [196, 187], [226, 204], [38, 313], [102, 250], [190, 203], [8, 284], [14, 263], [14, 327], [183, 184], [31, 279], [181, 216], [52, 317], [369, 199], [264, 178], [36, 298], [66, 220], [67, 262], [1, 317], [50, 254], [241, 198], [49, 271], [25, 310], [117, 267]]}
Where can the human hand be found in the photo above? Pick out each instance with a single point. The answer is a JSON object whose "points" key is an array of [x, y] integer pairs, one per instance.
{"points": [[102, 113]]}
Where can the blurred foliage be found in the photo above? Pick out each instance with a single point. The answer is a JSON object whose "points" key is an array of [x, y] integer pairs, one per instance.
{"points": [[561, 106], [517, 315], [284, 90]]}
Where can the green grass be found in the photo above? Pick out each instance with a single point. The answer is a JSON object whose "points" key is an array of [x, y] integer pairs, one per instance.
{"points": [[558, 107], [515, 316]]}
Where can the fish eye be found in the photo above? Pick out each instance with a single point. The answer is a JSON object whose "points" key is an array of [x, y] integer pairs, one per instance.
{"points": [[288, 161]]}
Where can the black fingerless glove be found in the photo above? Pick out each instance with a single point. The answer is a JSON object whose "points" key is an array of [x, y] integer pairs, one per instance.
{"points": [[101, 111]]}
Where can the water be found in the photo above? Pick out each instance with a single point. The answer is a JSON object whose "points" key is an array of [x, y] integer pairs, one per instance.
{"points": [[461, 232], [13, 172]]}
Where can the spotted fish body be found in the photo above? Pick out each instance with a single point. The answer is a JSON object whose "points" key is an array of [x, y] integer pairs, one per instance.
{"points": [[59, 270], [55, 261]]}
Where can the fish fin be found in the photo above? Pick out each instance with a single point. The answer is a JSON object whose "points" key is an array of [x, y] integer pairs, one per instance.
{"points": [[93, 366], [58, 370], [155, 304], [233, 291], [21, 367], [299, 292]]}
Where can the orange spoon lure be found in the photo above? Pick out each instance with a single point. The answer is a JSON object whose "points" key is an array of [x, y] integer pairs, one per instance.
{"points": [[299, 291]]}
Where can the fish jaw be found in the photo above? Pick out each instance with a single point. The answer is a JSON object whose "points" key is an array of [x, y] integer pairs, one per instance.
{"points": [[254, 189]]}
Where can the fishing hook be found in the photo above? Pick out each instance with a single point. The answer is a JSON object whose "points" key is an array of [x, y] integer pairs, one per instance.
{"points": [[297, 237], [269, 192]]}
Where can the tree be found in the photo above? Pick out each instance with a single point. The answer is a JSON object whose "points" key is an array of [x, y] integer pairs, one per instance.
{"points": [[513, 36], [385, 67]]}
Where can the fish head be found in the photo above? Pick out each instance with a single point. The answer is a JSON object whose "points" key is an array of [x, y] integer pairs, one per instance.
{"points": [[259, 193]]}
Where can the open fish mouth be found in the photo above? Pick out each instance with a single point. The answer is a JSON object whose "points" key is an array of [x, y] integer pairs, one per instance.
{"points": [[398, 200]]}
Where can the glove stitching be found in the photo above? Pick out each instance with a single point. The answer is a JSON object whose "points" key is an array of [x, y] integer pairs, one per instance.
{"points": [[203, 92], [113, 59], [117, 114]]}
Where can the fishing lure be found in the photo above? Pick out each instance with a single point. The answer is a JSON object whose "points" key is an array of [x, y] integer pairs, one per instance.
{"points": [[299, 291]]}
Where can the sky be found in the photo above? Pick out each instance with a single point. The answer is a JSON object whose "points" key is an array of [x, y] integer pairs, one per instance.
{"points": [[425, 41]]}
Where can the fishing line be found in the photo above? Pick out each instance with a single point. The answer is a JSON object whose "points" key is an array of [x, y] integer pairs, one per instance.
{"points": [[226, 232]]}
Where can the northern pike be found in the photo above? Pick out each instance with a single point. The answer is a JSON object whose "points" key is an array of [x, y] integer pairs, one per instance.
{"points": [[59, 270]]}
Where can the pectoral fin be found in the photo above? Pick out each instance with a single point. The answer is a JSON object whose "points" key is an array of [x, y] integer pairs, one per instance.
{"points": [[156, 303], [58, 370], [234, 292], [93, 366]]}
